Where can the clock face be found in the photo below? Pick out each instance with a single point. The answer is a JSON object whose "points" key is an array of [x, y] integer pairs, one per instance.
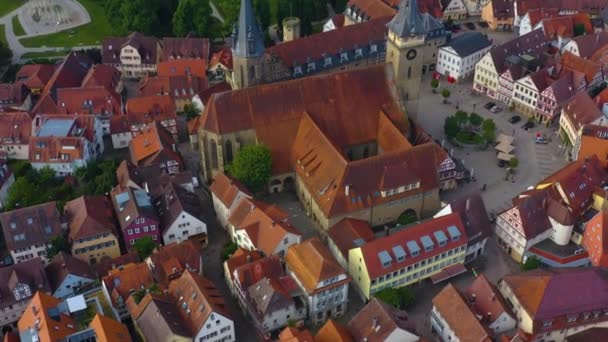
{"points": [[411, 54]]}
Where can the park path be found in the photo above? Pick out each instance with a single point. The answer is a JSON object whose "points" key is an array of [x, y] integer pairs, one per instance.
{"points": [[18, 49]]}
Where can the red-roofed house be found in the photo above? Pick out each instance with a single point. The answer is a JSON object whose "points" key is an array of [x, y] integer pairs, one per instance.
{"points": [[434, 249], [227, 193], [120, 283], [595, 239], [255, 225], [154, 146], [15, 133], [102, 75], [221, 62], [35, 76], [15, 96], [348, 234], [181, 88], [169, 262], [579, 111]]}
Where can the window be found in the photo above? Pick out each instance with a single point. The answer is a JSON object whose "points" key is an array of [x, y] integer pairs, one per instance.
{"points": [[146, 228], [129, 231], [311, 67], [297, 71], [343, 57], [136, 230], [152, 227], [547, 324], [285, 241]]}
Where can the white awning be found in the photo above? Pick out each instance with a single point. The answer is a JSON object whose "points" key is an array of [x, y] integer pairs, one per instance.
{"points": [[503, 138], [505, 156], [505, 148]]}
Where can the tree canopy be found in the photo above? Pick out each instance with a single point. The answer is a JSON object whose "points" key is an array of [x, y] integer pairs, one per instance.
{"points": [[195, 16], [98, 177], [252, 165], [34, 187], [400, 298], [58, 244], [5, 54], [144, 247]]}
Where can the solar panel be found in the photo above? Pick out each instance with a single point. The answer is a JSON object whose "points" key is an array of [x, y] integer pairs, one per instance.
{"points": [[412, 246], [440, 237], [385, 258], [454, 232], [399, 253], [427, 242]]}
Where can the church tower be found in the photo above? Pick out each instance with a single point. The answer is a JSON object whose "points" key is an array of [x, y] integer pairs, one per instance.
{"points": [[405, 47], [247, 49]]}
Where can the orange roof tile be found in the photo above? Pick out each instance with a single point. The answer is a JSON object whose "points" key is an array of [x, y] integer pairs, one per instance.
{"points": [[454, 310], [109, 330], [89, 216], [225, 188], [591, 146], [150, 142], [488, 299], [311, 262], [372, 8], [171, 260], [183, 67], [224, 57], [332, 331], [120, 282], [159, 105], [581, 110], [586, 66], [290, 334], [595, 239], [49, 329], [347, 231], [239, 258]]}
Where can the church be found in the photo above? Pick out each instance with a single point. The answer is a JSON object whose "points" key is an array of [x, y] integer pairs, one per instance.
{"points": [[338, 136]]}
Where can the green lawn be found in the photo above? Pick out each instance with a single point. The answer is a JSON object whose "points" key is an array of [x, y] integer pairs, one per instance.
{"points": [[7, 6], [48, 54], [17, 28], [89, 34]]}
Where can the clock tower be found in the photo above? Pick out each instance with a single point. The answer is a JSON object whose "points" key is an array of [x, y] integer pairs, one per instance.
{"points": [[405, 48]]}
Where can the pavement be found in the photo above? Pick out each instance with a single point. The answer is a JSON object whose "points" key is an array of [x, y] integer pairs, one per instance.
{"points": [[19, 50]]}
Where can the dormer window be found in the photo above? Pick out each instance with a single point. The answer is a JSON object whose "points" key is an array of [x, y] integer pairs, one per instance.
{"points": [[373, 48], [22, 291], [343, 57], [13, 225], [30, 220], [327, 62], [297, 71], [359, 52], [311, 67]]}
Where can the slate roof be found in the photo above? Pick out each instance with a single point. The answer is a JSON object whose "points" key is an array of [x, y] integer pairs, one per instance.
{"points": [[63, 265], [388, 319], [311, 263], [29, 226], [89, 216], [409, 21], [248, 39], [468, 43]]}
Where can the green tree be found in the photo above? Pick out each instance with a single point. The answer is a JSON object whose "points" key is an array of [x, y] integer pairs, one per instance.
{"points": [[22, 193], [20, 167], [434, 83], [194, 16], [144, 247], [462, 117], [98, 177], [530, 264], [228, 249], [252, 165], [58, 244], [579, 29], [445, 93], [400, 298], [134, 15], [190, 112], [475, 119], [513, 163], [488, 130], [451, 127], [5, 54]]}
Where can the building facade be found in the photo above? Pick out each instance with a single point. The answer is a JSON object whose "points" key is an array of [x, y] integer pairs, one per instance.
{"points": [[457, 59]]}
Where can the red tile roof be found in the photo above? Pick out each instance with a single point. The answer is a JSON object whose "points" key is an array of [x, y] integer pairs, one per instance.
{"points": [[224, 57], [170, 261], [330, 42], [485, 300], [178, 87], [372, 249], [159, 105], [372, 9], [35, 76], [104, 266], [386, 317], [29, 226], [595, 239], [581, 110], [152, 144], [102, 75], [254, 271], [239, 258], [37, 314], [120, 283], [55, 149], [539, 14], [225, 188], [109, 330], [15, 128], [12, 94], [265, 225], [333, 331], [588, 67], [147, 47], [593, 146], [185, 48], [91, 100], [290, 334], [312, 263], [347, 231], [89, 216], [182, 67]]}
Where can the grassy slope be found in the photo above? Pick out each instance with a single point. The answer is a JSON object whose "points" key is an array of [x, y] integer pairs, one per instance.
{"points": [[7, 6], [17, 28], [89, 34]]}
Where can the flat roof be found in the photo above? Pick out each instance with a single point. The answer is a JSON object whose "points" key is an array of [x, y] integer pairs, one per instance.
{"points": [[55, 128]]}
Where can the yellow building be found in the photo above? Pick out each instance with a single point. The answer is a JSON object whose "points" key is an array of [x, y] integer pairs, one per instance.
{"points": [[434, 249], [92, 232]]}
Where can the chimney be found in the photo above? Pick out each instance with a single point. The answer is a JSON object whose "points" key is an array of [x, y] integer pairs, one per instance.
{"points": [[248, 258], [468, 205], [346, 189], [473, 298], [374, 322], [489, 316]]}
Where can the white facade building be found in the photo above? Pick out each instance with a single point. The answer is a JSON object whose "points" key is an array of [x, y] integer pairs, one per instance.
{"points": [[217, 328], [459, 57], [184, 226], [226, 194]]}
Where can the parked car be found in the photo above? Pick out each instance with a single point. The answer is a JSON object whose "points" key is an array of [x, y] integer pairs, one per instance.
{"points": [[483, 24], [496, 109], [489, 105], [528, 125], [470, 26], [515, 119], [502, 163], [541, 140]]}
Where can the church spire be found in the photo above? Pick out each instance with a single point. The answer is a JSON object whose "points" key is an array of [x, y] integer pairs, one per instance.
{"points": [[408, 21], [248, 40]]}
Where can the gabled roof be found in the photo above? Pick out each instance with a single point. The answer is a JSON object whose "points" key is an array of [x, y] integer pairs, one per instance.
{"points": [[588, 67], [147, 47], [315, 46], [547, 293], [185, 48], [485, 299], [588, 44], [226, 188], [268, 296], [89, 216], [333, 331], [290, 334], [121, 282], [153, 106], [131, 204], [200, 299], [90, 100], [52, 149], [42, 312], [30, 272], [581, 110], [239, 258], [15, 126], [256, 270], [450, 224], [172, 201], [109, 330], [12, 94], [266, 225], [105, 265], [159, 319], [183, 67], [102, 75], [29, 226], [151, 143], [312, 263], [170, 261], [350, 233], [454, 310], [474, 216], [35, 76], [533, 43], [223, 56], [63, 265], [371, 9], [176, 86], [469, 43], [386, 317], [529, 215]]}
